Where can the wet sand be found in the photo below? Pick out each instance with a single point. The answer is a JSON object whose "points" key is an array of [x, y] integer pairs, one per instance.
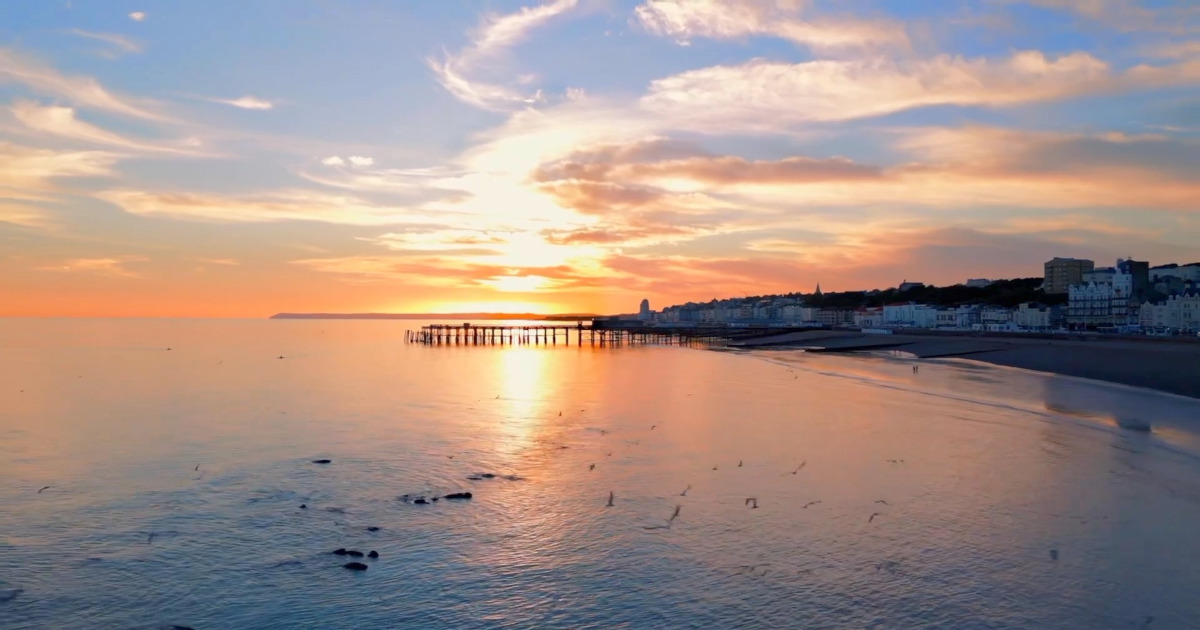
{"points": [[1171, 366]]}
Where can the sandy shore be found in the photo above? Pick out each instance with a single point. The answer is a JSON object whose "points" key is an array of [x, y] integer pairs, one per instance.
{"points": [[1164, 365]]}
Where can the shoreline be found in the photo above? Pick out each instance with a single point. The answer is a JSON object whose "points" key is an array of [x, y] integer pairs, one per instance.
{"points": [[1165, 366]]}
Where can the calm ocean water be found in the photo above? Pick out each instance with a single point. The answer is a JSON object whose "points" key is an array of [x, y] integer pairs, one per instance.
{"points": [[962, 496]]}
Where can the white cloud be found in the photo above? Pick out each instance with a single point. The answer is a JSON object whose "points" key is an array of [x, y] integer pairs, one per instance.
{"points": [[333, 160], [137, 16], [120, 42], [724, 19], [575, 94], [359, 160], [498, 33], [83, 91], [245, 102]]}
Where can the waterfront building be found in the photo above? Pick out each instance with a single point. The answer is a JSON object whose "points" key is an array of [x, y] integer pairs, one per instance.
{"points": [[979, 283]]}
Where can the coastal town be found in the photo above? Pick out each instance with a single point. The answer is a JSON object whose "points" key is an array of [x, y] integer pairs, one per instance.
{"points": [[1131, 297]]}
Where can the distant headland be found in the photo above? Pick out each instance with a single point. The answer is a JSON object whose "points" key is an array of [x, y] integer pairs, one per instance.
{"points": [[451, 316]]}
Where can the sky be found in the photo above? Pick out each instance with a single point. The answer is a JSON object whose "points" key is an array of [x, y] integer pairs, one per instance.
{"points": [[237, 159]]}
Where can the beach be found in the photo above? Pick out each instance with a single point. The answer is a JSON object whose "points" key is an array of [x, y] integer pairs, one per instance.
{"points": [[1166, 365]]}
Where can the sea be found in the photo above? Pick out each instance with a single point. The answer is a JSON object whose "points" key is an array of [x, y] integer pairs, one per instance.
{"points": [[160, 473]]}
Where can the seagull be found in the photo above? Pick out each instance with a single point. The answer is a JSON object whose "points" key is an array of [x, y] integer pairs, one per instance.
{"points": [[560, 414], [685, 490], [592, 467], [714, 467], [652, 426], [882, 501], [873, 516], [609, 454], [43, 488], [610, 499], [753, 501], [805, 506], [739, 463], [674, 514], [280, 357], [197, 468], [801, 466]]}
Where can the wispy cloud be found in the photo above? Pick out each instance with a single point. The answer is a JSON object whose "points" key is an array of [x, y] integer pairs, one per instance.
{"points": [[28, 173], [497, 34], [24, 215], [284, 205], [120, 43], [685, 20], [138, 16], [1131, 15], [112, 267], [765, 94], [61, 121], [245, 102], [83, 91]]}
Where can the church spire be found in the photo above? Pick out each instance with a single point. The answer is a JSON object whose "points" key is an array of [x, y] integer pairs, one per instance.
{"points": [[818, 292]]}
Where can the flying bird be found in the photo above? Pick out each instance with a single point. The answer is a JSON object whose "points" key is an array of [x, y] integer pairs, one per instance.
{"points": [[739, 463], [610, 499], [685, 490], [752, 502], [882, 501], [805, 506], [873, 516], [43, 488], [674, 514], [592, 467], [197, 468], [800, 467], [652, 426]]}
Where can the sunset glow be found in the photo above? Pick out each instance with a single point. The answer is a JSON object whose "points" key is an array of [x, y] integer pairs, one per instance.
{"points": [[580, 155]]}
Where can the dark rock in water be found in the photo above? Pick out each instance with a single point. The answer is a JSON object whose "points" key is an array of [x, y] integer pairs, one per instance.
{"points": [[458, 495], [322, 461], [10, 594], [434, 499], [478, 476], [354, 554], [405, 497], [179, 627], [373, 554], [355, 566], [421, 502], [372, 529], [340, 551], [303, 506]]}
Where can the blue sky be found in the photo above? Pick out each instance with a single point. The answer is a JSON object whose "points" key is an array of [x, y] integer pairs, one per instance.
{"points": [[236, 159]]}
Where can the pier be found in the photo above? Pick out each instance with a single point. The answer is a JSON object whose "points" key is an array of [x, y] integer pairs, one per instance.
{"points": [[595, 334]]}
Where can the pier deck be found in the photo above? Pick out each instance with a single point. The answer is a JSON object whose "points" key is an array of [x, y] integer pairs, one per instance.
{"points": [[595, 334]]}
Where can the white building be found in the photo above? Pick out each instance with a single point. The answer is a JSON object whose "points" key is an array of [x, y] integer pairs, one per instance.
{"points": [[1035, 317], [1179, 312], [871, 317], [910, 316]]}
